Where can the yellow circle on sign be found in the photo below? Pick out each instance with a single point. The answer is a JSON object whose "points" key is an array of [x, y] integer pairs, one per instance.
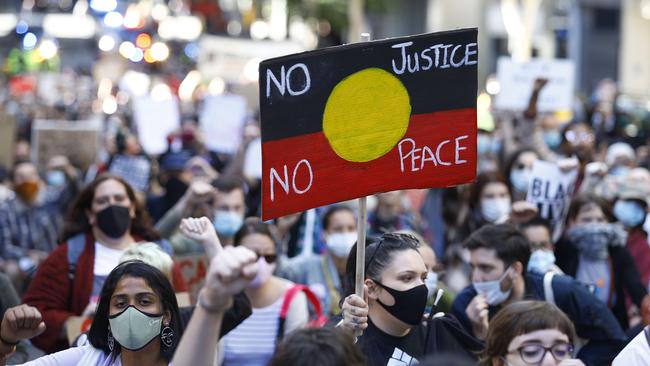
{"points": [[366, 115]]}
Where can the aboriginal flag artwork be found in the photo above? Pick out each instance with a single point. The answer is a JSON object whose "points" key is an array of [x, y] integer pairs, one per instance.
{"points": [[349, 121]]}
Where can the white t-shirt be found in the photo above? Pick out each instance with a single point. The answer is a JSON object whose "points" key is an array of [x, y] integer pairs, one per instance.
{"points": [[106, 259], [636, 353], [79, 356]]}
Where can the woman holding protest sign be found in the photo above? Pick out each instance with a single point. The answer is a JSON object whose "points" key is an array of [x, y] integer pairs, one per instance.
{"points": [[491, 202], [519, 169], [391, 315]]}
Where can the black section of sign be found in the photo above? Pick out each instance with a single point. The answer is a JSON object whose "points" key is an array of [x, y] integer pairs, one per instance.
{"points": [[435, 89]]}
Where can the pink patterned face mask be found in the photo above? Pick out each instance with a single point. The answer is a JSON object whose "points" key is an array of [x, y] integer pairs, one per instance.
{"points": [[264, 272]]}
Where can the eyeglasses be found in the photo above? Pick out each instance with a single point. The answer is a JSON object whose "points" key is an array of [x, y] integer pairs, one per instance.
{"points": [[578, 137], [533, 354], [269, 258]]}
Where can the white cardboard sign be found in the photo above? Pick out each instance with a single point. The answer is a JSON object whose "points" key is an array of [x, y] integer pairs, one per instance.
{"points": [[517, 79], [155, 120], [222, 120], [551, 189]]}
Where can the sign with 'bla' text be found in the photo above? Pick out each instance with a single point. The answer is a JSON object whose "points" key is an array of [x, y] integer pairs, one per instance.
{"points": [[551, 190], [354, 120]]}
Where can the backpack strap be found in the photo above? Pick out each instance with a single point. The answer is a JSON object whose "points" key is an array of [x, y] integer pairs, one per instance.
{"points": [[286, 303], [646, 331], [165, 246], [548, 287], [76, 245]]}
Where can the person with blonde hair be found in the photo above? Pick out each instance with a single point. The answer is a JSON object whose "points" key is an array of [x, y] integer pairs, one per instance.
{"points": [[151, 254]]}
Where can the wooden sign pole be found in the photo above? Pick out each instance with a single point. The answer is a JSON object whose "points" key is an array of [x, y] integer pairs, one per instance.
{"points": [[361, 248], [361, 238]]}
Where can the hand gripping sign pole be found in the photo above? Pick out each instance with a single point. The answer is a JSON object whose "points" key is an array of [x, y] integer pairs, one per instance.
{"points": [[361, 234]]}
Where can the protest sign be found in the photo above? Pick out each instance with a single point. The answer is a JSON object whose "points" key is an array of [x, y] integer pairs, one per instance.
{"points": [[517, 78], [78, 140], [155, 120], [551, 189], [7, 139], [194, 268], [221, 121], [227, 57], [253, 160], [354, 120]]}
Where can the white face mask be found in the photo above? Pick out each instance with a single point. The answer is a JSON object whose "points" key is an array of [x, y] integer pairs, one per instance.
{"points": [[492, 290], [339, 244], [541, 261], [495, 209], [432, 283]]}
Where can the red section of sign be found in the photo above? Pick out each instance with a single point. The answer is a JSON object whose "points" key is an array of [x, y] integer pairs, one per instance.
{"points": [[298, 173]]}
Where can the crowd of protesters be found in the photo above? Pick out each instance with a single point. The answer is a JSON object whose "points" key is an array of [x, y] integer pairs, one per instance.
{"points": [[90, 268]]}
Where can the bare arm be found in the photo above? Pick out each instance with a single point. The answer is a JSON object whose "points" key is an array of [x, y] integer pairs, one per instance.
{"points": [[202, 231], [230, 272]]}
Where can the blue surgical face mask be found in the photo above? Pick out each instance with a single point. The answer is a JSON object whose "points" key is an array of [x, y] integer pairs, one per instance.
{"points": [[483, 144], [55, 178], [432, 283], [486, 144], [541, 261], [629, 213], [519, 179], [492, 290], [619, 171], [227, 222], [495, 209], [552, 139]]}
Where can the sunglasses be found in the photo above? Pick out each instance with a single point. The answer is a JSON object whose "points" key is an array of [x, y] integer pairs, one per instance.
{"points": [[269, 258]]}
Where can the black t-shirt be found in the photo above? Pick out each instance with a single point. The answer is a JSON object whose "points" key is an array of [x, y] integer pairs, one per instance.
{"points": [[439, 335], [240, 310]]}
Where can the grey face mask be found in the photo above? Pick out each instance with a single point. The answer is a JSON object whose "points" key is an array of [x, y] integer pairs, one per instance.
{"points": [[133, 329]]}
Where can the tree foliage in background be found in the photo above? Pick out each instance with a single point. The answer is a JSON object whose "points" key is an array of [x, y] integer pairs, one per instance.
{"points": [[334, 11]]}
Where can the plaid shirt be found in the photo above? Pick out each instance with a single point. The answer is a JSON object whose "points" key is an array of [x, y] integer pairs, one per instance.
{"points": [[24, 228], [136, 170]]}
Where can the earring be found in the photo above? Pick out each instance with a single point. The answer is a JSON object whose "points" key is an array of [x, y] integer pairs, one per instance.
{"points": [[111, 341], [167, 336]]}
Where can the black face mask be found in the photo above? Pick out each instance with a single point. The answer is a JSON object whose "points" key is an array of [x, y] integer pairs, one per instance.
{"points": [[114, 221], [409, 305]]}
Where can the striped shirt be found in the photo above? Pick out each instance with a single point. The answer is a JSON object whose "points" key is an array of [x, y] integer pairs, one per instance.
{"points": [[24, 228], [252, 343]]}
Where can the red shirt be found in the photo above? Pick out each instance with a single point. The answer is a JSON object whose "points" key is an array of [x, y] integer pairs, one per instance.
{"points": [[637, 244]]}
